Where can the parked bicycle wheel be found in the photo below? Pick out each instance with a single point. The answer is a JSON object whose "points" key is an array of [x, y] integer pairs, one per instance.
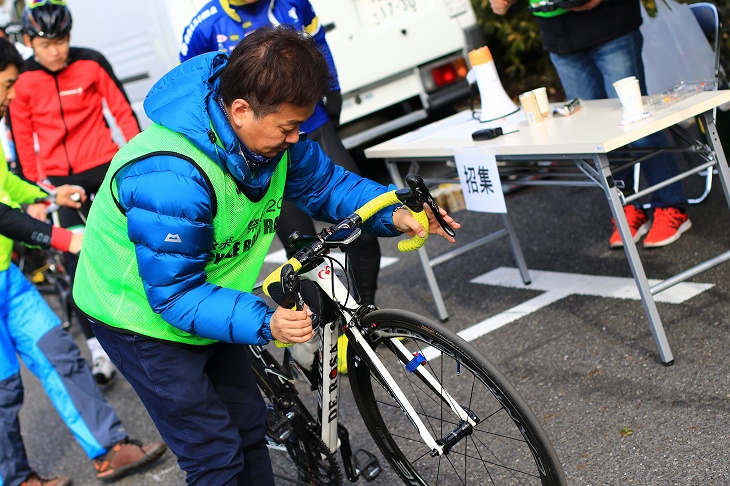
{"points": [[56, 274], [506, 446]]}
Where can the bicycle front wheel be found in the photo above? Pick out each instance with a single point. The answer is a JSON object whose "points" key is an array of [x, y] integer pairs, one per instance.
{"points": [[506, 446]]}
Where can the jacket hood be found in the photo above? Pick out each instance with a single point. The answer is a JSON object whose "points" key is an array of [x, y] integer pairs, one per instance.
{"points": [[185, 101]]}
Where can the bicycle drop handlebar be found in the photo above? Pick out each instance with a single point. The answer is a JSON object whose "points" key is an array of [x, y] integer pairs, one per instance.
{"points": [[280, 282]]}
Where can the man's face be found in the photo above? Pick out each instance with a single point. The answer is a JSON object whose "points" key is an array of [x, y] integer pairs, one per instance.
{"points": [[8, 77], [272, 133], [52, 54]]}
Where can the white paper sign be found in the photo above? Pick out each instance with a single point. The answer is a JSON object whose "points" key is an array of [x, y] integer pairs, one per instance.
{"points": [[479, 178]]}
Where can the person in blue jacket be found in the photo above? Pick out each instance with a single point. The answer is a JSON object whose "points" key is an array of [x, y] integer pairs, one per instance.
{"points": [[30, 329], [219, 26], [187, 214]]}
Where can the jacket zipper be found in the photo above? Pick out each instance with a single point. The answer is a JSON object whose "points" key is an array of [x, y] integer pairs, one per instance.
{"points": [[65, 127]]}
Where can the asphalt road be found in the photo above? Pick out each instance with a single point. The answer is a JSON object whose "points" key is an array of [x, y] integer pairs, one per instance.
{"points": [[586, 364]]}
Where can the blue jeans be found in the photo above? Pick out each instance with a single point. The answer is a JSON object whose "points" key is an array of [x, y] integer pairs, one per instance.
{"points": [[589, 74]]}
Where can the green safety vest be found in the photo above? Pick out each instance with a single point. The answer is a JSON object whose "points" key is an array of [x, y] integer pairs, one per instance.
{"points": [[14, 191], [107, 285]]}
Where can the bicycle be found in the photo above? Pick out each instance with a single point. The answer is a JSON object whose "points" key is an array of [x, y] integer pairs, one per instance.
{"points": [[50, 275], [479, 431]]}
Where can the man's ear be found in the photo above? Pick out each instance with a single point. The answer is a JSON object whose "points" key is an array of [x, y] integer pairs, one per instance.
{"points": [[240, 110], [26, 40]]}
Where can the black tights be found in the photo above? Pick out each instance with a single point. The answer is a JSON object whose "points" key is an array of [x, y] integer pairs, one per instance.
{"points": [[364, 254]]}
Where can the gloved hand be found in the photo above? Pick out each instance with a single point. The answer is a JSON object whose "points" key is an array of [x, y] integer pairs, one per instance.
{"points": [[333, 105]]}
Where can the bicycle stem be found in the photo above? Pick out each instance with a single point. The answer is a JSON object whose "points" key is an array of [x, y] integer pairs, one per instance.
{"points": [[360, 215]]}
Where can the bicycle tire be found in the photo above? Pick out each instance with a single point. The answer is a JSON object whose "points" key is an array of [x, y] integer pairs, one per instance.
{"points": [[507, 446], [57, 275]]}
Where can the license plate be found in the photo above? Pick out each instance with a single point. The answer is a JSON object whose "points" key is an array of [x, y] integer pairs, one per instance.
{"points": [[457, 7], [379, 11]]}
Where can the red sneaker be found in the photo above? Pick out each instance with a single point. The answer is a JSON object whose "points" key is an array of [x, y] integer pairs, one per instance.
{"points": [[638, 222], [668, 226]]}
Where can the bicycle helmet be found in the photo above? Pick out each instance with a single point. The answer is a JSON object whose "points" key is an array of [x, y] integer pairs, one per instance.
{"points": [[49, 19]]}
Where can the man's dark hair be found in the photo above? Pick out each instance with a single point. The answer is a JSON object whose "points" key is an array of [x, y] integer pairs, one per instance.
{"points": [[9, 55], [275, 65]]}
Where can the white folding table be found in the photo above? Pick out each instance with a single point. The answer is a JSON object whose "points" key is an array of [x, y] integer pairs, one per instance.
{"points": [[579, 145]]}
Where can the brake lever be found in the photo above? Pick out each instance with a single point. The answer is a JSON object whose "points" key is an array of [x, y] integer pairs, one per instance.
{"points": [[291, 286], [419, 192]]}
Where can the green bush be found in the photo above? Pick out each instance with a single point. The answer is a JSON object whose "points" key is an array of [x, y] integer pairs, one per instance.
{"points": [[522, 64], [516, 46]]}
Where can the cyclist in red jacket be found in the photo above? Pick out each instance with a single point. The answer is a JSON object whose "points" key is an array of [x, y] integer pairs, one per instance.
{"points": [[58, 103]]}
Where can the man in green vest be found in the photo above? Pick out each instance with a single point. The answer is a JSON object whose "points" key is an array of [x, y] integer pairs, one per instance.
{"points": [[30, 330], [178, 233]]}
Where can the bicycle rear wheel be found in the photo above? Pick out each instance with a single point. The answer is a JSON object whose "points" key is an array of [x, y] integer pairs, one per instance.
{"points": [[507, 446]]}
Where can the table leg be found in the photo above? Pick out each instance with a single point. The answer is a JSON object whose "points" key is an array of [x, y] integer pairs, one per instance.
{"points": [[516, 249], [616, 204], [433, 285], [422, 253], [427, 263], [714, 140]]}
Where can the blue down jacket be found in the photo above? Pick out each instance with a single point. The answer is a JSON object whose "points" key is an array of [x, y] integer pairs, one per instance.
{"points": [[220, 26], [184, 100]]}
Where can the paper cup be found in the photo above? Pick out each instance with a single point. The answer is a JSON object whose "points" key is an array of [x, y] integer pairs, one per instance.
{"points": [[528, 101], [542, 101], [629, 93]]}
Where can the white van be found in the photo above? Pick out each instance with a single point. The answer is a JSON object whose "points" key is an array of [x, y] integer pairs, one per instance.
{"points": [[398, 60]]}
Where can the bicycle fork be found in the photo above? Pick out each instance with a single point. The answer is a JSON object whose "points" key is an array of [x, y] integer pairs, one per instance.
{"points": [[467, 419]]}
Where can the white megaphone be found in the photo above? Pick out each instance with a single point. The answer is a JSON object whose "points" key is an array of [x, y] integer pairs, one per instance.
{"points": [[495, 102]]}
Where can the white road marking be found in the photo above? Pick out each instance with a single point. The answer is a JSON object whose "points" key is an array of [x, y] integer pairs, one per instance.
{"points": [[575, 283], [159, 476], [559, 285]]}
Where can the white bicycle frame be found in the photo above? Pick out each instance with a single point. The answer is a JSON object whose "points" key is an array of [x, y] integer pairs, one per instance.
{"points": [[324, 276]]}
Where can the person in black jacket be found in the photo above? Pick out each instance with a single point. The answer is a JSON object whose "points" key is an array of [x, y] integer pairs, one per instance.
{"points": [[19, 226], [52, 355], [592, 46]]}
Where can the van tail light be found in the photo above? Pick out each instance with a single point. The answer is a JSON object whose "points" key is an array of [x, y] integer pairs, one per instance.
{"points": [[449, 73]]}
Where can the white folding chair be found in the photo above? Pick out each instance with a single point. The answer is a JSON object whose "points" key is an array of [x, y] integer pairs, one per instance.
{"points": [[708, 18]]}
